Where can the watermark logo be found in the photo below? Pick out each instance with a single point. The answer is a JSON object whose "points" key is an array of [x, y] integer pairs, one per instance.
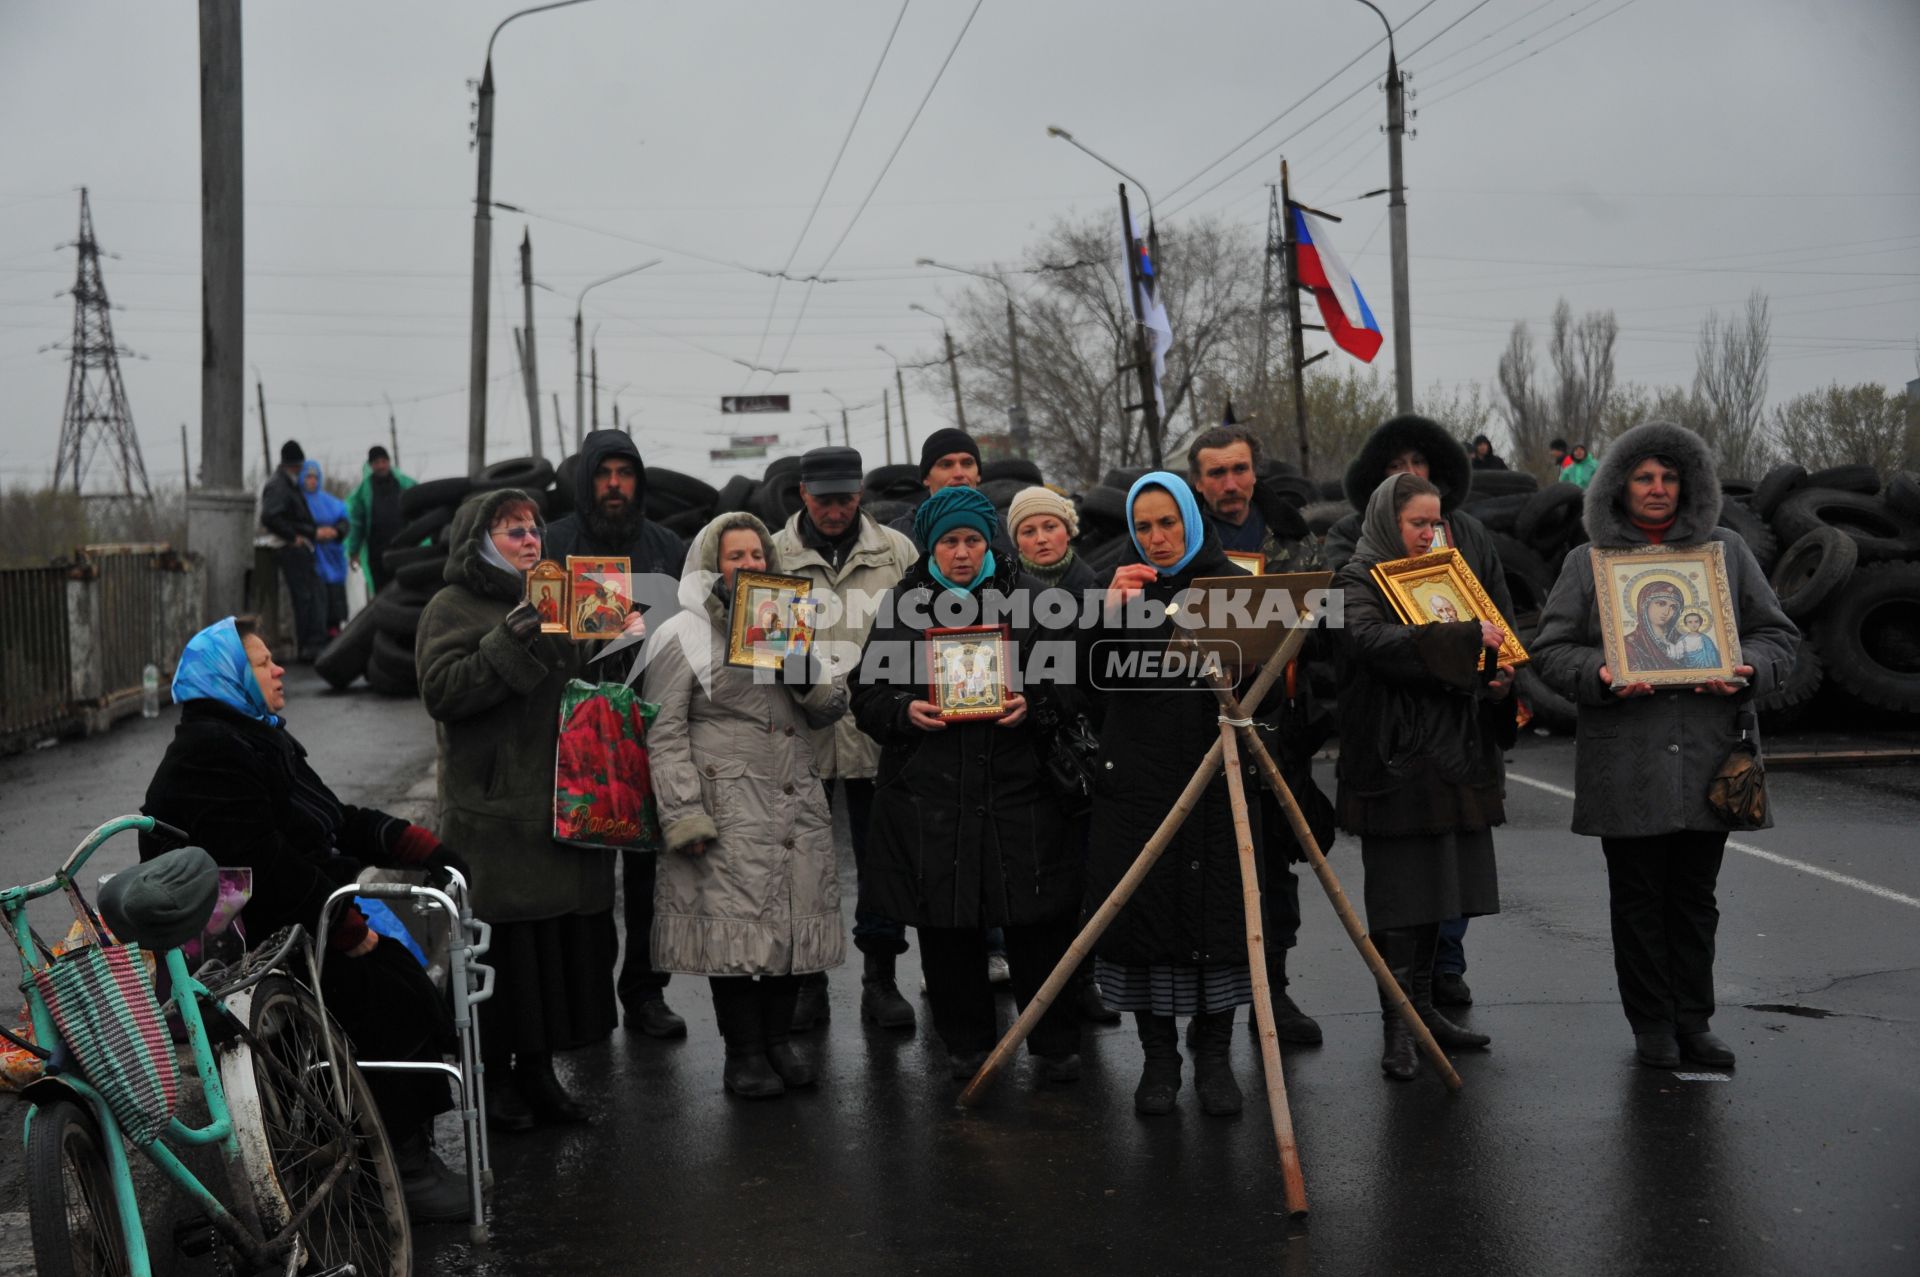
{"points": [[1123, 665]]}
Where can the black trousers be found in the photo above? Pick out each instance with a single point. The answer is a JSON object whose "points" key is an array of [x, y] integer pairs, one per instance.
{"points": [[309, 595], [1280, 902], [1660, 894], [391, 1011], [377, 563], [639, 982], [871, 932], [955, 962]]}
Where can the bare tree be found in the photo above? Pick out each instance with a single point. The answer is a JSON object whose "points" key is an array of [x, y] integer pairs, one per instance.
{"points": [[1529, 419], [1843, 425], [1582, 353], [1730, 381]]}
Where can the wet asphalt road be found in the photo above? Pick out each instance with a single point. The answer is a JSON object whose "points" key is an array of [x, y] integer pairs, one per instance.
{"points": [[1560, 1156]]}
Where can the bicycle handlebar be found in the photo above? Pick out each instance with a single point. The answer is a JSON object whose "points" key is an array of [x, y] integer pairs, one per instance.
{"points": [[90, 844]]}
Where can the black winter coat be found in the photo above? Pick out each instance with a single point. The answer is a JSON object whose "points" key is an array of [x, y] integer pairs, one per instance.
{"points": [[1420, 742], [244, 790], [654, 551], [283, 508], [966, 830], [1154, 732]]}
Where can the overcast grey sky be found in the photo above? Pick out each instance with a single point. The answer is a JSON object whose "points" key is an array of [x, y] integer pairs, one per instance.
{"points": [[1662, 159]]}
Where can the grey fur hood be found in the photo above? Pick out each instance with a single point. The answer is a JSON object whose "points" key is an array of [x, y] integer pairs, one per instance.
{"points": [[1447, 464], [1699, 512]]}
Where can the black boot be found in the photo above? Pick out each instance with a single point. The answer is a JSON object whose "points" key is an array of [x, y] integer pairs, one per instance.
{"points": [[1086, 998], [1444, 1031], [1160, 1079], [778, 995], [736, 1008], [880, 1000], [1290, 1023], [1398, 1058], [1212, 1035], [506, 1108], [534, 1078], [434, 1194], [811, 1008]]}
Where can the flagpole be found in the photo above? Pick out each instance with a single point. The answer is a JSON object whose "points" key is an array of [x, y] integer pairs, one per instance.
{"points": [[1143, 357]]}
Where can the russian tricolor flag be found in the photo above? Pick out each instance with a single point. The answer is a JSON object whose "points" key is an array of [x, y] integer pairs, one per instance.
{"points": [[1349, 322]]}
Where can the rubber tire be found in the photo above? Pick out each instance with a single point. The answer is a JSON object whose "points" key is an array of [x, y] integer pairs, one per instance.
{"points": [[884, 510], [534, 474], [1499, 514], [778, 497], [1332, 490], [1776, 486], [390, 668], [1902, 493], [1107, 555], [400, 558], [277, 1001], [1322, 515], [1881, 603], [1792, 698], [892, 480], [1543, 520], [1105, 506], [1010, 468], [1740, 488], [1862, 479], [426, 576], [1288, 487], [422, 497], [1812, 569], [1752, 529], [1123, 477], [1529, 581], [735, 495], [62, 1132], [560, 495], [1881, 533], [1002, 491], [669, 491], [687, 522], [397, 612], [1551, 711], [422, 527], [1502, 483], [345, 659]]}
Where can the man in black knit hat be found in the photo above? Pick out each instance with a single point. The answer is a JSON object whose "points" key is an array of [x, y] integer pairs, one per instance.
{"points": [[283, 512], [949, 458]]}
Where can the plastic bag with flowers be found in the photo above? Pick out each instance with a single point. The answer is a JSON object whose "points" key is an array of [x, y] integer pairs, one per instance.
{"points": [[602, 783]]}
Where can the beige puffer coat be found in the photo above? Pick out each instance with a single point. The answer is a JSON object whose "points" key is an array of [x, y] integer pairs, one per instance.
{"points": [[733, 764], [875, 565]]}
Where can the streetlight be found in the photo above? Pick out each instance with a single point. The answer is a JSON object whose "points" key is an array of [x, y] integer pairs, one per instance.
{"points": [[483, 247], [1054, 130], [846, 434], [1017, 411], [953, 363], [1397, 226], [900, 384], [579, 375]]}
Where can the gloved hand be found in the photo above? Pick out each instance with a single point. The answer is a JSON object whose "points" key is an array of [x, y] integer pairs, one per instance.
{"points": [[442, 864], [523, 623], [801, 669], [420, 848]]}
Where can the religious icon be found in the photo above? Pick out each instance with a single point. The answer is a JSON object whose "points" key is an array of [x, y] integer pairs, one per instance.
{"points": [[1254, 562], [772, 619], [1666, 615], [967, 671], [547, 591], [599, 596], [1439, 588]]}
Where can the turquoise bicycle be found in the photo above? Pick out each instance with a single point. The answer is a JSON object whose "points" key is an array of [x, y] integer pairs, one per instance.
{"points": [[313, 1186]]}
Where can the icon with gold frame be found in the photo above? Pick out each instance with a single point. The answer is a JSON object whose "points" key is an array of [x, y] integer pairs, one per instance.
{"points": [[1440, 587], [772, 619], [1252, 560], [1666, 615], [547, 591], [599, 596], [967, 672]]}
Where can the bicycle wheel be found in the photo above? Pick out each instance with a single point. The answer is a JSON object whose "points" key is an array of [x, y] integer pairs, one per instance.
{"points": [[76, 1229], [292, 1135]]}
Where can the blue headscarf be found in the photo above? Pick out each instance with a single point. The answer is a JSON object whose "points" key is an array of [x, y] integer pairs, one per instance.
{"points": [[215, 668], [941, 513], [330, 557], [1176, 487]]}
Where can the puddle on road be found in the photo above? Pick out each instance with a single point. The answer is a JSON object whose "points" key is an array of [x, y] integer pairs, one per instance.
{"points": [[1788, 1008]]}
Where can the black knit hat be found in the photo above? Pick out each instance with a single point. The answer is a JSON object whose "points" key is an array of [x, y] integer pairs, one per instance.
{"points": [[944, 442], [377, 453], [291, 453]]}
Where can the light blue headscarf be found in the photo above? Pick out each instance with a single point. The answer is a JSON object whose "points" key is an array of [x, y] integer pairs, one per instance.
{"points": [[215, 668], [1196, 531], [330, 557]]}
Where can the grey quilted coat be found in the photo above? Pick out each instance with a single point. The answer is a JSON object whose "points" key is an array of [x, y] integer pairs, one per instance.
{"points": [[733, 764], [1642, 764]]}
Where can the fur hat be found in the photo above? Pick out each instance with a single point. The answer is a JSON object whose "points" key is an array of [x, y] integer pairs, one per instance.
{"points": [[1699, 508], [1447, 465]]}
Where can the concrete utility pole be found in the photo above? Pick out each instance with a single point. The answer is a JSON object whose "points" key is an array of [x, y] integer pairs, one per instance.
{"points": [[906, 435], [220, 513], [559, 426], [596, 386], [186, 463], [1017, 426], [482, 248], [886, 422], [953, 374], [529, 360], [266, 443], [1397, 226], [393, 434]]}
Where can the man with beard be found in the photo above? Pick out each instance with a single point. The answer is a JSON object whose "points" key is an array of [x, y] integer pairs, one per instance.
{"points": [[373, 516], [610, 521]]}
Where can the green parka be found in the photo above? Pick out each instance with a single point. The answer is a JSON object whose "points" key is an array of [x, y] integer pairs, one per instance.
{"points": [[497, 705]]}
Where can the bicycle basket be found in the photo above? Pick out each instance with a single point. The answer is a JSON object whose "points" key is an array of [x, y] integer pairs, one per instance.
{"points": [[104, 1007]]}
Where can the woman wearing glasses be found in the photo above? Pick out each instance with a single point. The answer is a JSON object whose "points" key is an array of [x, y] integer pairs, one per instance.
{"points": [[492, 683]]}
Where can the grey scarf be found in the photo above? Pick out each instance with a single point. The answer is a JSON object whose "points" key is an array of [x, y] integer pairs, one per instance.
{"points": [[1380, 525]]}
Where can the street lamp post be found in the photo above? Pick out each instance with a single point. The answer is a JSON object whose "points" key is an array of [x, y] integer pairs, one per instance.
{"points": [[900, 384], [483, 247], [579, 351], [1017, 410], [846, 433], [1397, 227], [953, 362]]}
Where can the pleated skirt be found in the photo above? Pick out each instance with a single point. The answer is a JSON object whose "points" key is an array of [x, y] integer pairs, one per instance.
{"points": [[1165, 989]]}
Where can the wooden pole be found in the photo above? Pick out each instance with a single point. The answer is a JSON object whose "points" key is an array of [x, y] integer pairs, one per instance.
{"points": [[1303, 834], [1123, 891], [1292, 1181], [1296, 348], [1142, 356]]}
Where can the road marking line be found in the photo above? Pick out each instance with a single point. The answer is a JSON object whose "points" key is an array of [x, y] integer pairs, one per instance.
{"points": [[1761, 853]]}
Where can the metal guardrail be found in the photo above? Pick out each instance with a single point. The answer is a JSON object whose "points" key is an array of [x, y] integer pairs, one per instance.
{"points": [[76, 636]]}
